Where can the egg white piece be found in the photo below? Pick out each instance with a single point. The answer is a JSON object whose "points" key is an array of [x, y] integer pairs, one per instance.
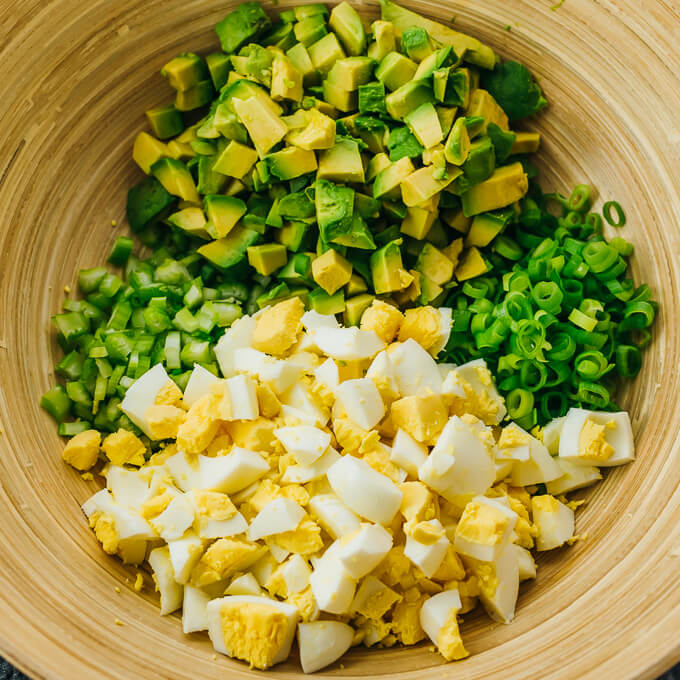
{"points": [[500, 603], [445, 369], [436, 610], [301, 399], [332, 585], [573, 477], [476, 374], [295, 572], [128, 488], [554, 521], [294, 416], [347, 344], [278, 553], [215, 622], [362, 551], [184, 554], [233, 472], [238, 335], [194, 610], [312, 320], [333, 515], [407, 453], [525, 563], [618, 433], [306, 361], [539, 468], [301, 474], [175, 519], [170, 591], [322, 642], [381, 368], [503, 469], [328, 374], [278, 373], [185, 471], [264, 568], [129, 525], [445, 326], [427, 556], [142, 394], [200, 382], [243, 396], [245, 584], [370, 494], [362, 402], [551, 435], [415, 369], [279, 515], [460, 463], [307, 444]]}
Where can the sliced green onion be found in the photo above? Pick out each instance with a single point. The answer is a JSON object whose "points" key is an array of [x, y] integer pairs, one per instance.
{"points": [[122, 247], [519, 403], [580, 199], [619, 219]]}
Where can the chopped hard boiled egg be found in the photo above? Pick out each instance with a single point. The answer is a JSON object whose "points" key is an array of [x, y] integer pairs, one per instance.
{"points": [[322, 642]]}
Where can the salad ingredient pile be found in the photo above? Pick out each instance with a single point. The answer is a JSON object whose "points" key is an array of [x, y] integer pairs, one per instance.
{"points": [[338, 483]]}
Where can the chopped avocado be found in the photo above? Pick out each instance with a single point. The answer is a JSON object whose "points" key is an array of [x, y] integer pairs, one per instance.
{"points": [[313, 9], [474, 125], [423, 184], [358, 236], [457, 147], [407, 98], [182, 152], [446, 115], [471, 264], [347, 25], [200, 95], [416, 43], [281, 35], [323, 303], [434, 264], [387, 270], [344, 100], [502, 141], [385, 40], [147, 201], [286, 80], [273, 295], [417, 222], [296, 236], [223, 213], [147, 150], [395, 209], [451, 86], [291, 162], [176, 179], [355, 308], [507, 185], [254, 61], [484, 105], [481, 161], [267, 258], [424, 124], [438, 59], [401, 143], [487, 226], [185, 71], [203, 147], [244, 89], [334, 209], [325, 52], [457, 220], [395, 70], [230, 250], [331, 271], [438, 234], [376, 164], [264, 128], [388, 180], [471, 49], [226, 124], [429, 290], [296, 206], [165, 121], [241, 26], [367, 207], [298, 270], [514, 89], [372, 131], [341, 163], [299, 57], [372, 98], [356, 285], [310, 30], [192, 220], [526, 142], [236, 160], [318, 131], [351, 72], [453, 251], [219, 66], [209, 180]]}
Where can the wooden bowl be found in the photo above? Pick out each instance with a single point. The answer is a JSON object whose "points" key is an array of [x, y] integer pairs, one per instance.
{"points": [[76, 78]]}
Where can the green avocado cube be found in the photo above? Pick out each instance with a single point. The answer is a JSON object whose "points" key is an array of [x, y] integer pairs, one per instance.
{"points": [[230, 250], [291, 162], [487, 226], [325, 52], [323, 303], [176, 179], [402, 144], [387, 181], [351, 72], [341, 163], [502, 140], [408, 98], [416, 43], [395, 70], [366, 206], [341, 99], [355, 308], [281, 35], [372, 98], [296, 207], [358, 236], [192, 220], [273, 295], [296, 236], [147, 201], [436, 60], [223, 213], [434, 264], [334, 209], [209, 180], [297, 271], [424, 124], [457, 145], [299, 57], [346, 23], [310, 30], [241, 26], [165, 121], [385, 40], [185, 71], [199, 95], [480, 162], [219, 66], [451, 86], [267, 258], [387, 269], [507, 185]]}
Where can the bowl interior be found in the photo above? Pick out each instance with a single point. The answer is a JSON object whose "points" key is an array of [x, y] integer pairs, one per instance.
{"points": [[77, 79]]}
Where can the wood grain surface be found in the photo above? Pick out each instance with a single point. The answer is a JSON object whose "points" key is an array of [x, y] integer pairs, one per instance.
{"points": [[76, 78]]}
